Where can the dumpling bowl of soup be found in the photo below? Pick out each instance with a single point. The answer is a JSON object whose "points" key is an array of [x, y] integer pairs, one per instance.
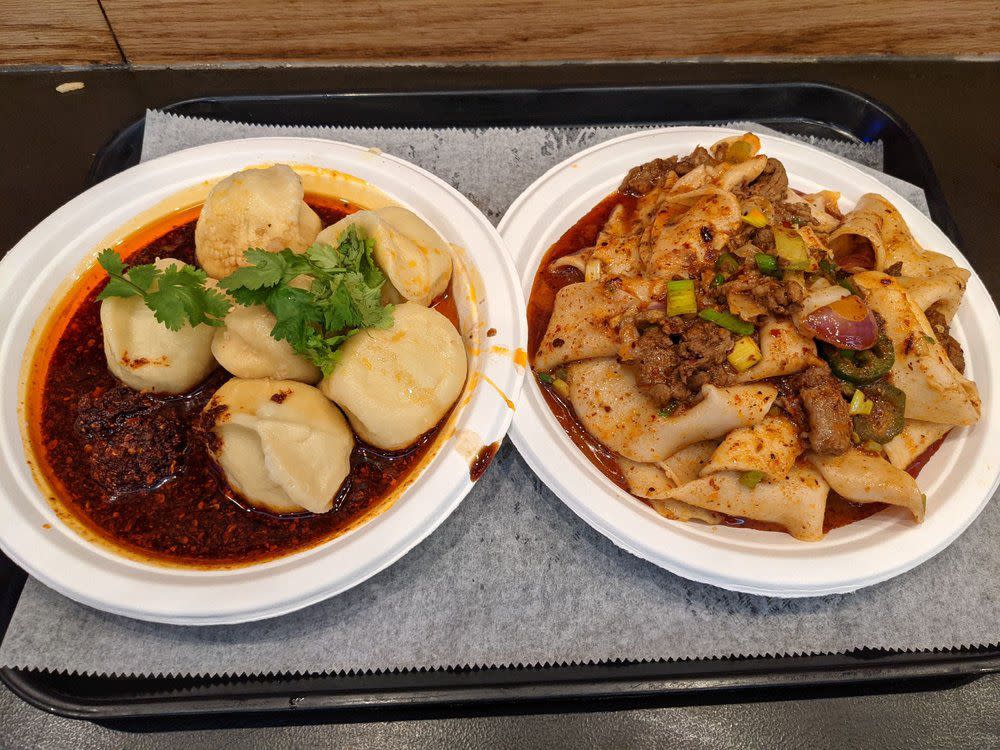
{"points": [[245, 377]]}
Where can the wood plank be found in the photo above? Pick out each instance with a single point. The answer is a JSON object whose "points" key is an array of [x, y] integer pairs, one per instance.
{"points": [[170, 31], [55, 32]]}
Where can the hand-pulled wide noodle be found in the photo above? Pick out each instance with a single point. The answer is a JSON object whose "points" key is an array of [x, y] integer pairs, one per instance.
{"points": [[584, 323], [734, 175], [864, 478], [797, 502], [739, 347], [942, 291], [682, 247], [770, 447], [784, 351], [822, 207], [915, 438], [652, 483], [875, 236], [935, 390], [611, 407]]}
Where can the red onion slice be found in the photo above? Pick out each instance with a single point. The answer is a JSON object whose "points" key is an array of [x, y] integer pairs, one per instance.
{"points": [[846, 323]]}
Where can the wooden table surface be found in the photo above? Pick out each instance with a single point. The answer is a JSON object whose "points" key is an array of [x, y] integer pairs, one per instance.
{"points": [[165, 32]]}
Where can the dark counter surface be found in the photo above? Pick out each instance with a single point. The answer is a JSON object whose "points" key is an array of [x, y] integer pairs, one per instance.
{"points": [[49, 141]]}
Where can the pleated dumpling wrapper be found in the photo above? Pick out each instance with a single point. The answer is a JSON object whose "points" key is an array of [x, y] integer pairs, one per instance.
{"points": [[145, 354], [414, 257], [281, 444], [395, 384], [255, 208], [244, 346]]}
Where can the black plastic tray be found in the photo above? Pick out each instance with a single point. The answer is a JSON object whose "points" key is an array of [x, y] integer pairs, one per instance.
{"points": [[798, 108]]}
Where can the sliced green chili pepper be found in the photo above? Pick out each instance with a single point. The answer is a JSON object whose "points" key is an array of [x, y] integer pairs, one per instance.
{"points": [[828, 269], [669, 409], [886, 418], [862, 367], [832, 273], [850, 286], [727, 264], [767, 264], [727, 321]]}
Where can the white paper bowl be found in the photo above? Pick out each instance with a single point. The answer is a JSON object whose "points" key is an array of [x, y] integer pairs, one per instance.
{"points": [[959, 480], [38, 267]]}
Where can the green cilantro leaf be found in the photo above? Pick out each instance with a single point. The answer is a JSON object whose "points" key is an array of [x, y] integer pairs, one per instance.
{"points": [[111, 262], [143, 276], [319, 298], [119, 287], [264, 269], [177, 294]]}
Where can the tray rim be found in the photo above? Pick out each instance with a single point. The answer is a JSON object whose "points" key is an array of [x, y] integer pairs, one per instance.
{"points": [[926, 664], [937, 664]]}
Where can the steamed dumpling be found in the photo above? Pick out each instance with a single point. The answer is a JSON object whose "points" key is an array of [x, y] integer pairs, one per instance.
{"points": [[145, 354], [396, 384], [281, 444], [260, 208], [245, 347], [414, 257]]}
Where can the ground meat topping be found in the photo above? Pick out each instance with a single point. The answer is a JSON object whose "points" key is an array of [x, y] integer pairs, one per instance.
{"points": [[673, 366], [825, 409], [943, 333]]}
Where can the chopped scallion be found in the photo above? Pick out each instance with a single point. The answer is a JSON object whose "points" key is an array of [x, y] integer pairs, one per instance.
{"points": [[727, 321], [680, 297], [561, 387], [755, 218], [727, 264], [751, 479], [545, 378], [745, 354], [739, 151], [860, 404], [669, 409]]}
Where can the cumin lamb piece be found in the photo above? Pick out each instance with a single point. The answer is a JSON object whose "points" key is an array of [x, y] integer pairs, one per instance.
{"points": [[777, 296], [674, 367], [829, 420], [647, 177], [772, 183], [943, 333]]}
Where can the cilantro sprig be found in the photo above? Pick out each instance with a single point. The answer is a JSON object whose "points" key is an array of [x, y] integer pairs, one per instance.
{"points": [[319, 298], [176, 294]]}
